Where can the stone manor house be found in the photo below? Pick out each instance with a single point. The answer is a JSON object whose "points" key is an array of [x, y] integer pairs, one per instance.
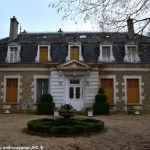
{"points": [[72, 66]]}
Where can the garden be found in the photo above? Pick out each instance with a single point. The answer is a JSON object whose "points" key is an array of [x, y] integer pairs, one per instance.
{"points": [[67, 123]]}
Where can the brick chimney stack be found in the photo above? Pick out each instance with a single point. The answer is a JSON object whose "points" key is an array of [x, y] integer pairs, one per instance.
{"points": [[13, 28], [130, 27]]}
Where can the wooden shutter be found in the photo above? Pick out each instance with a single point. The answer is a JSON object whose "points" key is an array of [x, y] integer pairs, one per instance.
{"points": [[43, 56], [107, 85], [74, 52], [132, 91], [12, 90]]}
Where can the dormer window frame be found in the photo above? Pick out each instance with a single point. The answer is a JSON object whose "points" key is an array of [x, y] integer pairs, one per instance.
{"points": [[101, 58], [131, 59], [12, 56], [69, 50], [38, 52]]}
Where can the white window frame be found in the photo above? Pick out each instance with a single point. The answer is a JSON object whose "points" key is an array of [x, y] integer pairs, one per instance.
{"points": [[38, 52], [126, 58], [140, 94], [101, 54], [34, 84], [80, 53], [9, 54]]}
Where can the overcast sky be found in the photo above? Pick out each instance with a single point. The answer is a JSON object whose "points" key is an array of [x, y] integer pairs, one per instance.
{"points": [[35, 15]]}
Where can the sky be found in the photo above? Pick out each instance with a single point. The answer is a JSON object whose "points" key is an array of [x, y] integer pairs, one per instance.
{"points": [[35, 16]]}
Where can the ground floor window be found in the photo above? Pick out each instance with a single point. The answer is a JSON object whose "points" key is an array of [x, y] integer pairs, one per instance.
{"points": [[132, 91], [108, 86], [11, 90], [42, 88]]}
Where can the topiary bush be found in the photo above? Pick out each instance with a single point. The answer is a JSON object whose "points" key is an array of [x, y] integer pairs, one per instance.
{"points": [[46, 105], [100, 98], [63, 127], [101, 106]]}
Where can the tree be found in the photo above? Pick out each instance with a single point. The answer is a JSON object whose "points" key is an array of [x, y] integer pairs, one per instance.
{"points": [[108, 14]]}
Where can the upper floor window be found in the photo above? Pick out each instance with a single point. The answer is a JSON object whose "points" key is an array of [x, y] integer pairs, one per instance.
{"points": [[43, 54], [74, 52], [106, 54], [131, 54], [13, 54]]}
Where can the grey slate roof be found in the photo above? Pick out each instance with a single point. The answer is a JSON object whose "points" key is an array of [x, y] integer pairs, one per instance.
{"points": [[90, 45]]}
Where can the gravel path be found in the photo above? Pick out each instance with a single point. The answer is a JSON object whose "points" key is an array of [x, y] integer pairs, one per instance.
{"points": [[125, 132]]}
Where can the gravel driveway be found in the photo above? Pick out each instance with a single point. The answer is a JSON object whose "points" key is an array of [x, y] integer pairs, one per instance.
{"points": [[125, 132]]}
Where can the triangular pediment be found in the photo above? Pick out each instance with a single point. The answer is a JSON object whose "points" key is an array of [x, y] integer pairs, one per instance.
{"points": [[73, 65]]}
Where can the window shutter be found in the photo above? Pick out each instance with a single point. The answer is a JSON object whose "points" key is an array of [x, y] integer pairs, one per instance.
{"points": [[11, 90], [107, 85], [74, 52], [43, 54], [132, 91]]}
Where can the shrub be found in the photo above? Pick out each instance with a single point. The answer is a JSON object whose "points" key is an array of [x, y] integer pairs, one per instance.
{"points": [[101, 91], [100, 98], [64, 127], [46, 98], [101, 108], [46, 104]]}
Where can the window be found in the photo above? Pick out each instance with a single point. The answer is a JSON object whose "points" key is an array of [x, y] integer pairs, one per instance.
{"points": [[43, 54], [11, 90], [132, 91], [42, 87], [106, 54], [131, 54], [108, 86], [74, 52], [13, 54]]}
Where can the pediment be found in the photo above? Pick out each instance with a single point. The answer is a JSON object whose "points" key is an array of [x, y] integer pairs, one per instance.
{"points": [[73, 65]]}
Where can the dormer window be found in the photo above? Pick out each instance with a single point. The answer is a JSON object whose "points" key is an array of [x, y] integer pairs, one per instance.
{"points": [[43, 54], [106, 54], [13, 54], [131, 54], [74, 52]]}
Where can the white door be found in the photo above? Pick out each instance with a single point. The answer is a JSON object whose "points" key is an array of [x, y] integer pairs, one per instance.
{"points": [[75, 94]]}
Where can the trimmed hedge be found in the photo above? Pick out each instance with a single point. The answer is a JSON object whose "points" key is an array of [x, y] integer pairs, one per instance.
{"points": [[64, 127]]}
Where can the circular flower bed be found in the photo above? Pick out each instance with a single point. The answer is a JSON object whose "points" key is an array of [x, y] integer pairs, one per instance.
{"points": [[64, 127]]}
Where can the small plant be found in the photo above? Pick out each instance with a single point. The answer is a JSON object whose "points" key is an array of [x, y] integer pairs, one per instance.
{"points": [[66, 108], [66, 111]]}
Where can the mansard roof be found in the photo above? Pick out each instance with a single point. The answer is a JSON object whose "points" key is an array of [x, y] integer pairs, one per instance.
{"points": [[90, 42]]}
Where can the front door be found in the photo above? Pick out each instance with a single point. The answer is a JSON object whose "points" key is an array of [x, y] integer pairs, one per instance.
{"points": [[75, 94]]}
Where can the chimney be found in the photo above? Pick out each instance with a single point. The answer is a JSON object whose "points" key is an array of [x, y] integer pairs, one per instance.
{"points": [[13, 28], [130, 27]]}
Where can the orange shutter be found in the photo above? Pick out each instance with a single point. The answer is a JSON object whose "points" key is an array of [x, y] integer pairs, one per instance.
{"points": [[132, 91], [11, 90], [107, 85], [74, 52], [43, 54]]}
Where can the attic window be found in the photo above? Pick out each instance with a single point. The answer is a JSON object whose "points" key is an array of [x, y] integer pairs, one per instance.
{"points": [[43, 54], [82, 36], [13, 54], [44, 37], [131, 54], [74, 52], [106, 54]]}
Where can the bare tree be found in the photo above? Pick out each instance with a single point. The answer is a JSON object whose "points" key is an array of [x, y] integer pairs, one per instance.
{"points": [[108, 14]]}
